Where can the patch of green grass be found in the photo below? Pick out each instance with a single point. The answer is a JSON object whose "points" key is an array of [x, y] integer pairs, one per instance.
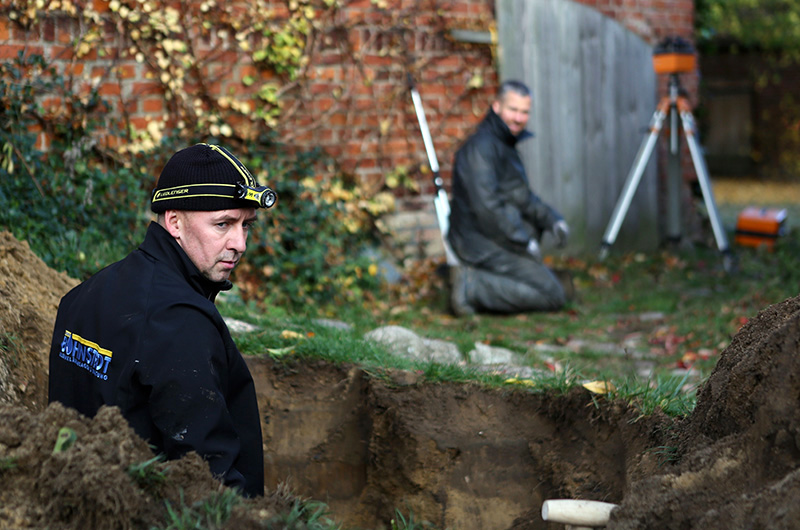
{"points": [[10, 348], [304, 515], [401, 522], [666, 454], [208, 514], [146, 474], [654, 324], [7, 463], [668, 393]]}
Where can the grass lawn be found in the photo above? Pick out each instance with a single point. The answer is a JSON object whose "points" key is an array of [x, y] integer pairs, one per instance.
{"points": [[647, 322]]}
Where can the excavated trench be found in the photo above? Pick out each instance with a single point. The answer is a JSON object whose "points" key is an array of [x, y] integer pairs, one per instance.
{"points": [[459, 456], [455, 455]]}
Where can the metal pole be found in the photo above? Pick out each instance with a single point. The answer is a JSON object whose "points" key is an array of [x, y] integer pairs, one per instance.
{"points": [[440, 202], [633, 179], [705, 185], [674, 180]]}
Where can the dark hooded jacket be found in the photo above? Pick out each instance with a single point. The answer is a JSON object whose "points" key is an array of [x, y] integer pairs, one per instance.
{"points": [[492, 203], [143, 334]]}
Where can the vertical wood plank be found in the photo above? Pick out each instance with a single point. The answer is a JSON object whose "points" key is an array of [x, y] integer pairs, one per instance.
{"points": [[593, 95]]}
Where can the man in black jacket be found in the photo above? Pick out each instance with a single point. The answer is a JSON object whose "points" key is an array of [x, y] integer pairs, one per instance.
{"points": [[143, 334], [496, 221]]}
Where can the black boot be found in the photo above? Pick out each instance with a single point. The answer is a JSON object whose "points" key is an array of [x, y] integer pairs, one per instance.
{"points": [[458, 292]]}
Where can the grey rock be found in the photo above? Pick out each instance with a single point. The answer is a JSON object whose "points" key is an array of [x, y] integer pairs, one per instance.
{"points": [[330, 323], [485, 354], [405, 343], [239, 326]]}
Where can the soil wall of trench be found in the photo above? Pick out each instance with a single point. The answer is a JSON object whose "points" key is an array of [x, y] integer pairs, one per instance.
{"points": [[455, 455]]}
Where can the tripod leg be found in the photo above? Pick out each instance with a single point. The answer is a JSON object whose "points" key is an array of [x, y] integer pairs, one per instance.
{"points": [[705, 183], [632, 182]]}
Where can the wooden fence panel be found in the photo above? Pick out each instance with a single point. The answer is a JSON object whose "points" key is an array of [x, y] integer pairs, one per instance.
{"points": [[594, 93]]}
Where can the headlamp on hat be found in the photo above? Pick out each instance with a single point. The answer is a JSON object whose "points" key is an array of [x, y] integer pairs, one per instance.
{"points": [[263, 195], [207, 177]]}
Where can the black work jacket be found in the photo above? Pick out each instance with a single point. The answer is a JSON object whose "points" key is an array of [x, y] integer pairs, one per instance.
{"points": [[492, 203], [144, 335]]}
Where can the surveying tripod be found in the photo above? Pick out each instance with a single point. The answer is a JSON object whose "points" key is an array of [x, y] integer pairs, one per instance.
{"points": [[673, 105]]}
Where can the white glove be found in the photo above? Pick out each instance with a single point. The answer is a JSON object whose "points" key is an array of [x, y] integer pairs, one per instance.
{"points": [[561, 232], [534, 250]]}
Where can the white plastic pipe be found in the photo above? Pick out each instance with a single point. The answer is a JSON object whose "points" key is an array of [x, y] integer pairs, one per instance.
{"points": [[577, 512]]}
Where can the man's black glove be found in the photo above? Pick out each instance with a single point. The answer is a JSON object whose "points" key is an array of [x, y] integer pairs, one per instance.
{"points": [[561, 233]]}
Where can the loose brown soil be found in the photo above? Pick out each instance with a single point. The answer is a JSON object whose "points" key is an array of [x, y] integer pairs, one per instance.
{"points": [[456, 455]]}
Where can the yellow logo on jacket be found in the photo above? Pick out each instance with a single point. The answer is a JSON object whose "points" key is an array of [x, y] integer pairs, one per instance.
{"points": [[86, 354]]}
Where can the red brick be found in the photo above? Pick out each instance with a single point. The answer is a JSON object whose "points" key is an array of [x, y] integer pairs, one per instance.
{"points": [[147, 88], [376, 60], [359, 5], [48, 30], [129, 107], [248, 70], [10, 51], [126, 71], [323, 104], [109, 89], [337, 119], [62, 53], [139, 122], [109, 141], [334, 151], [73, 69], [322, 88]]}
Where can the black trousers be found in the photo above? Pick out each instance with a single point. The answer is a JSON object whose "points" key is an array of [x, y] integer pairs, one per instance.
{"points": [[506, 282]]}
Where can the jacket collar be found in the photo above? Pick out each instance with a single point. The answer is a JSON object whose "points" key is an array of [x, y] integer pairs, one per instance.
{"points": [[494, 124], [163, 247]]}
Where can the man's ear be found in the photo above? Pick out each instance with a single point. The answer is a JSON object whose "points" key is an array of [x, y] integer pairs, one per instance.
{"points": [[173, 222], [496, 106]]}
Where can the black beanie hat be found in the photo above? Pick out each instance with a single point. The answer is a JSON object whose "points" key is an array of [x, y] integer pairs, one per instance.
{"points": [[205, 177]]}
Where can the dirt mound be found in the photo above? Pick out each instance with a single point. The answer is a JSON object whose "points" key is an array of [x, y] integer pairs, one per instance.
{"points": [[29, 296], [85, 485], [739, 451], [108, 478]]}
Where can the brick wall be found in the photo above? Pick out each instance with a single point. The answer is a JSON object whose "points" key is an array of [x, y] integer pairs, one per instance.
{"points": [[352, 98]]}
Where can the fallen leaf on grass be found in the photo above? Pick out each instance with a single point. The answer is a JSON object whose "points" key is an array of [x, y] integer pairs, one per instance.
{"points": [[554, 366], [689, 357], [279, 352], [599, 387], [289, 334], [515, 381]]}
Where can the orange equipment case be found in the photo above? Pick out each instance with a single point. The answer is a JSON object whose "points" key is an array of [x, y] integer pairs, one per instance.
{"points": [[760, 227]]}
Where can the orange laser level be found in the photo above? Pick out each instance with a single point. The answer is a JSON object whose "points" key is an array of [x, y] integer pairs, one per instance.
{"points": [[673, 55]]}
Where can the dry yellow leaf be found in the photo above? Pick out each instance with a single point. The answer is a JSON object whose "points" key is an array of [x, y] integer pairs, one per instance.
{"points": [[599, 387], [515, 381]]}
